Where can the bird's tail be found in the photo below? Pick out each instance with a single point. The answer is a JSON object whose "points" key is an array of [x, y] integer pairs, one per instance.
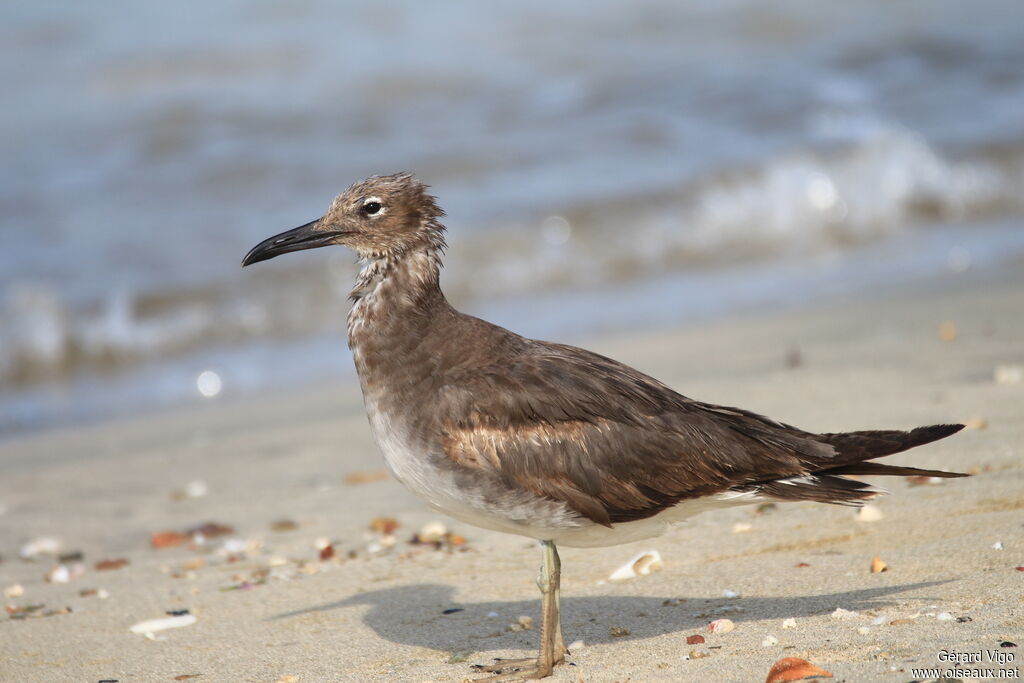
{"points": [[854, 450], [854, 447]]}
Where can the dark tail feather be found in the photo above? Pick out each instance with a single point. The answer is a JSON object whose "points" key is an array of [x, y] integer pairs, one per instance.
{"points": [[853, 450], [853, 447], [820, 488], [892, 470]]}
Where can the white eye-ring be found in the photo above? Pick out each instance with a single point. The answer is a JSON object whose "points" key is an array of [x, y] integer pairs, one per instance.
{"points": [[373, 207]]}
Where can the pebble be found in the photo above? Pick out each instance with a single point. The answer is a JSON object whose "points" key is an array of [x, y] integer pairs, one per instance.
{"points": [[640, 565], [789, 623], [698, 654], [521, 624], [721, 626], [730, 593], [694, 640], [741, 527], [863, 630], [15, 590], [945, 616], [998, 545], [869, 513], [769, 641], [618, 632]]}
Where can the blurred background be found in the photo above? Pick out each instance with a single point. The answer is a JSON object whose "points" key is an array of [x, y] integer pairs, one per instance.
{"points": [[604, 167]]}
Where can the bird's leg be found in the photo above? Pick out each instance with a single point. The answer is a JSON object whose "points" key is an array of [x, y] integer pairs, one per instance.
{"points": [[552, 647]]}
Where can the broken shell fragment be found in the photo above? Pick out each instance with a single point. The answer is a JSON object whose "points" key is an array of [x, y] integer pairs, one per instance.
{"points": [[977, 422], [523, 623], [15, 590], [108, 565], [869, 513], [769, 641], [721, 626], [1009, 374], [789, 623], [59, 574], [383, 525], [167, 539], [878, 565], [841, 613], [641, 565], [153, 625], [44, 545], [794, 669], [432, 532]]}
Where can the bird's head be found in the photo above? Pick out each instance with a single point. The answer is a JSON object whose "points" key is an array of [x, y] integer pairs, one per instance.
{"points": [[379, 216]]}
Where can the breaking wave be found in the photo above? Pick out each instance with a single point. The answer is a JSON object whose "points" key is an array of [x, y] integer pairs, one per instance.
{"points": [[833, 198]]}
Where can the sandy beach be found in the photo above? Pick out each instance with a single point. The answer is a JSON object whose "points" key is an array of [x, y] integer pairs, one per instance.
{"points": [[288, 473]]}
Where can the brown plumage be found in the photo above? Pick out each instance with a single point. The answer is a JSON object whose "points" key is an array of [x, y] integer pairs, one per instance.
{"points": [[543, 439]]}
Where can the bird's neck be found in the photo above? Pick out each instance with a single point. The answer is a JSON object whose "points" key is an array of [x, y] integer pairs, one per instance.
{"points": [[395, 299]]}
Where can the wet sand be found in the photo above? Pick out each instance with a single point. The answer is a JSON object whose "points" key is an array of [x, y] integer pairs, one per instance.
{"points": [[267, 607]]}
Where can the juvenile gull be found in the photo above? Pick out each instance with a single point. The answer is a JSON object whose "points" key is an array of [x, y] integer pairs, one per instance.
{"points": [[546, 440]]}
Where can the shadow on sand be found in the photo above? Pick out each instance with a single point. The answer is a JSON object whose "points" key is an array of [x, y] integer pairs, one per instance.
{"points": [[413, 615]]}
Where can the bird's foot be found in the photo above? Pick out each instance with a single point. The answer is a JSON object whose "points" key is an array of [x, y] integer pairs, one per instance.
{"points": [[529, 669]]}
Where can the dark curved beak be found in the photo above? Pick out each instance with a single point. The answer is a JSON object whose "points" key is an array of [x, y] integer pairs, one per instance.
{"points": [[303, 237]]}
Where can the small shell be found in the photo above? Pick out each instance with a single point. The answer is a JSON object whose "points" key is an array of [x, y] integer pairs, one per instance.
{"points": [[789, 623], [945, 616], [154, 625], [15, 590], [641, 565], [721, 626], [794, 669], [741, 527], [878, 565]]}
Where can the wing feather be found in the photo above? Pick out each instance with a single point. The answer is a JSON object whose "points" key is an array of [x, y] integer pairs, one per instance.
{"points": [[612, 443]]}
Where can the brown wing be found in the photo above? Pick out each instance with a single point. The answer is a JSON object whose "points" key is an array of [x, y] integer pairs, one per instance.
{"points": [[612, 443]]}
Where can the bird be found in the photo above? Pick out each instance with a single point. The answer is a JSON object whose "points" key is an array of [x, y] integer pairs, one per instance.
{"points": [[545, 440]]}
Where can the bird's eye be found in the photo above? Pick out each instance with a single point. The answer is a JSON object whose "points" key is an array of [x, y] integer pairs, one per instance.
{"points": [[371, 208]]}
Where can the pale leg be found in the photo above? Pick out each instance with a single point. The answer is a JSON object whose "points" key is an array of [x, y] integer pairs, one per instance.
{"points": [[552, 647]]}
